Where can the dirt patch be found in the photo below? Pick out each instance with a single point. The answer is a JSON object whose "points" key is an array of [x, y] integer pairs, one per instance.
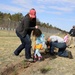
{"points": [[17, 67], [14, 68]]}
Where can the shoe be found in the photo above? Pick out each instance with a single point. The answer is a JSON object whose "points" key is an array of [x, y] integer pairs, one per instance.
{"points": [[34, 59], [70, 55], [29, 60], [40, 58], [16, 54]]}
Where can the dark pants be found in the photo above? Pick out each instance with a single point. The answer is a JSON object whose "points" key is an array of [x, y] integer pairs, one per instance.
{"points": [[62, 48], [26, 43]]}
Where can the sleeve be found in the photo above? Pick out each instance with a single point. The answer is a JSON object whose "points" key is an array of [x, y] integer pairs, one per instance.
{"points": [[70, 31], [31, 28], [33, 24], [42, 38], [26, 23], [43, 41]]}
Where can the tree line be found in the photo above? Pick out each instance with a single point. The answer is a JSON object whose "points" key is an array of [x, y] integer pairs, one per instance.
{"points": [[14, 17], [8, 20]]}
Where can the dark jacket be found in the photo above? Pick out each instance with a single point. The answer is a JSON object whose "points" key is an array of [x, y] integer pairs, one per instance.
{"points": [[26, 26], [72, 32]]}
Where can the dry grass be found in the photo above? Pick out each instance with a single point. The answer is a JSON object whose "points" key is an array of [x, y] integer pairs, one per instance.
{"points": [[50, 66], [8, 43]]}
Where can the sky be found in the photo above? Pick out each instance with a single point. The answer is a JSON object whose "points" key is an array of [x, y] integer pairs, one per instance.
{"points": [[58, 13]]}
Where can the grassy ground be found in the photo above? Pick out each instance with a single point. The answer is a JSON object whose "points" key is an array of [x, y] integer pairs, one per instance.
{"points": [[8, 43], [50, 66]]}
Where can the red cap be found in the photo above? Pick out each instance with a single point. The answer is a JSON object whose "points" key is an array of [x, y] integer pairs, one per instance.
{"points": [[32, 13]]}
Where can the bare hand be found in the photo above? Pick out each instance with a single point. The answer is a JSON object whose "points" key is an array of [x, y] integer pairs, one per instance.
{"points": [[36, 27]]}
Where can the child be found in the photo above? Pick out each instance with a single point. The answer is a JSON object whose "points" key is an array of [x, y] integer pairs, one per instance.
{"points": [[66, 39], [39, 44]]}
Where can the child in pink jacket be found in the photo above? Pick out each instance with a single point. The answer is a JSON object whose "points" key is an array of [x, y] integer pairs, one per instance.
{"points": [[66, 39]]}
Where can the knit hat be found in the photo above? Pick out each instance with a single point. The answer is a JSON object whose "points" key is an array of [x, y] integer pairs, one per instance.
{"points": [[32, 13]]}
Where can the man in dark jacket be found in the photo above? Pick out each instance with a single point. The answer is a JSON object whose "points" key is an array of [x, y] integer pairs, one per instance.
{"points": [[23, 31], [72, 34]]}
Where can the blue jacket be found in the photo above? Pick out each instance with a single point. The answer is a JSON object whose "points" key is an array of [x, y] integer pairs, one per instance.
{"points": [[41, 39]]}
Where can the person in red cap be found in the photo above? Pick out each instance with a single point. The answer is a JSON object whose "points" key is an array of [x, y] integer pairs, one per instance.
{"points": [[23, 31]]}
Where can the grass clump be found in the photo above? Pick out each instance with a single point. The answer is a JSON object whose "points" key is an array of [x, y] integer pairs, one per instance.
{"points": [[45, 69]]}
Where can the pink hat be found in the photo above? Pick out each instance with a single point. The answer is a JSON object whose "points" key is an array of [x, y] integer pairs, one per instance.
{"points": [[32, 13]]}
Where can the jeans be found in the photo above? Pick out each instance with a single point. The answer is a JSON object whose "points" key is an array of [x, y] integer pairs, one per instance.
{"points": [[37, 53], [61, 46], [26, 43]]}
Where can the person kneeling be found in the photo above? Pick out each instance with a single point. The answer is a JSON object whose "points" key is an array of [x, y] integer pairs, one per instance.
{"points": [[58, 42]]}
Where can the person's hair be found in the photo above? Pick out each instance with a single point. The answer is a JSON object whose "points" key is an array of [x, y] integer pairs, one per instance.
{"points": [[37, 32], [32, 9], [73, 27], [47, 43]]}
